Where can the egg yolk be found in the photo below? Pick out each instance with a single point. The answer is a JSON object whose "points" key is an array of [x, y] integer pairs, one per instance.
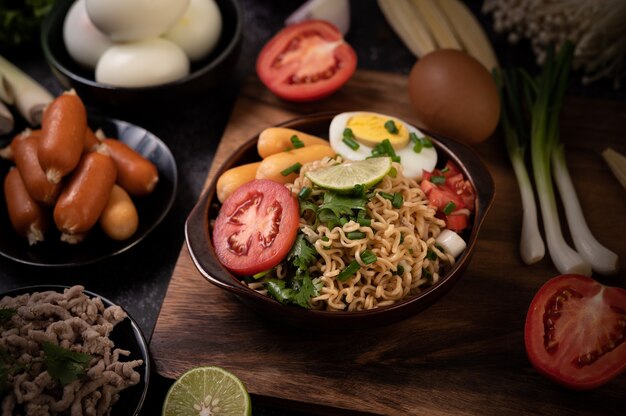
{"points": [[371, 129]]}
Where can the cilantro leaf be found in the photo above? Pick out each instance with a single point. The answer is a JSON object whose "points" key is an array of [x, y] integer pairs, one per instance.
{"points": [[6, 314], [303, 289], [64, 365], [307, 205], [343, 204], [328, 217], [298, 290], [302, 253]]}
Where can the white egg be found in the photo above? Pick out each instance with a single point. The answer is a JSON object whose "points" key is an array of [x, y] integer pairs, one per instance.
{"points": [[413, 163], [83, 41], [198, 31], [130, 20], [142, 63]]}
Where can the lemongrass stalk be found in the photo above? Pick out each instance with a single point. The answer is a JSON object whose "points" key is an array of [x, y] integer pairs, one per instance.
{"points": [[30, 97], [602, 259], [617, 164], [544, 129], [6, 119], [5, 91]]}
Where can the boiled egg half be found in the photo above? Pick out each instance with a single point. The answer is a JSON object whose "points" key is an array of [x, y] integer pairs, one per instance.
{"points": [[355, 135]]}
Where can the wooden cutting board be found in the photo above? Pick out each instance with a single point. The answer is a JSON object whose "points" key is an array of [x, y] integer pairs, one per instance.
{"points": [[463, 355]]}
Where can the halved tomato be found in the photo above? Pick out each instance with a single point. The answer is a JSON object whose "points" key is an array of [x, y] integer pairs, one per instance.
{"points": [[256, 227], [306, 61], [575, 331]]}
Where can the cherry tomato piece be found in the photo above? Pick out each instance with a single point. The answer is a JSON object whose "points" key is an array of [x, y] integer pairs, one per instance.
{"points": [[256, 227], [575, 331], [306, 61]]}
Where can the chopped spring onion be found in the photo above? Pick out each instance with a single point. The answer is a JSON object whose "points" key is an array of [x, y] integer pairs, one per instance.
{"points": [[368, 257], [438, 179], [389, 151], [397, 200], [297, 143], [351, 269], [356, 235], [450, 242], [417, 147], [449, 208], [295, 168], [431, 255], [350, 142], [399, 270], [304, 192], [391, 127]]}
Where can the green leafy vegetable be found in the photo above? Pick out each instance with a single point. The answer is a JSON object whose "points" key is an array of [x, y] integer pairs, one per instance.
{"points": [[302, 253], [64, 365], [6, 314], [299, 291], [342, 204], [20, 20]]}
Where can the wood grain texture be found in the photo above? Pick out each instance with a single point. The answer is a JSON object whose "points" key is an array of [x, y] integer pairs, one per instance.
{"points": [[465, 354]]}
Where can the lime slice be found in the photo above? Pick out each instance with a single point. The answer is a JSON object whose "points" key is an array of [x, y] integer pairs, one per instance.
{"points": [[205, 391], [345, 176]]}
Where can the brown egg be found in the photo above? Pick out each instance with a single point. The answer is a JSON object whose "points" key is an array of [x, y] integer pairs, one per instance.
{"points": [[454, 95]]}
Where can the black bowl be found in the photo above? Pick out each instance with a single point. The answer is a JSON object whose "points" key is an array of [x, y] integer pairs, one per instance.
{"points": [[151, 208], [205, 74], [198, 237], [126, 335]]}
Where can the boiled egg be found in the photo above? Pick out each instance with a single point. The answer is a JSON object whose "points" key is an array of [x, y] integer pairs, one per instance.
{"points": [[83, 41], [143, 63], [198, 31], [370, 129], [130, 20]]}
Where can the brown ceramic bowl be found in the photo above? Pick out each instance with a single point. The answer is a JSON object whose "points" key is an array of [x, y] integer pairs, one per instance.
{"points": [[198, 236]]}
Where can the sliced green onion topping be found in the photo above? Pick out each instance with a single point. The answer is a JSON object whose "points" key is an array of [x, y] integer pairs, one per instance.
{"points": [[400, 270], [431, 255], [368, 257], [426, 142], [261, 274], [438, 180], [304, 192], [397, 200], [297, 143], [355, 235], [449, 208], [417, 147], [352, 268], [350, 142], [391, 127], [295, 168]]}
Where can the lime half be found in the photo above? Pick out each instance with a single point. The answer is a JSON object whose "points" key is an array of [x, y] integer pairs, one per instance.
{"points": [[207, 391], [345, 176]]}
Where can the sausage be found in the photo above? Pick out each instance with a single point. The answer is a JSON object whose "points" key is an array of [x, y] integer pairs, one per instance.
{"points": [[24, 149], [233, 178], [119, 220], [136, 174], [84, 197], [63, 136], [28, 218], [91, 141], [278, 139], [272, 166]]}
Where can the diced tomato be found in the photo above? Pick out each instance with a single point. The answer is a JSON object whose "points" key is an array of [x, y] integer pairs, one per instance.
{"points": [[457, 222], [456, 190]]}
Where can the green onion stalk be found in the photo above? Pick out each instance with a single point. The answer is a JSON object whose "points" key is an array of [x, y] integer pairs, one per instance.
{"points": [[551, 88], [516, 136]]}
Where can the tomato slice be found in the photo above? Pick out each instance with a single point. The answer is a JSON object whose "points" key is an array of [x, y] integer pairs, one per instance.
{"points": [[306, 61], [256, 227], [576, 330]]}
